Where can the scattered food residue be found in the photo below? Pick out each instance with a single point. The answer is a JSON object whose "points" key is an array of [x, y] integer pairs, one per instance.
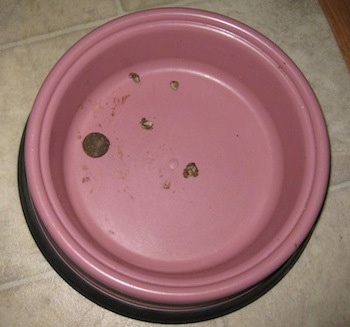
{"points": [[174, 85], [135, 77], [146, 124], [166, 185], [191, 170], [124, 98], [120, 153], [119, 100], [95, 145]]}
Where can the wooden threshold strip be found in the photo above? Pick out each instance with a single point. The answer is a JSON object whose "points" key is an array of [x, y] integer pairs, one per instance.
{"points": [[338, 16]]}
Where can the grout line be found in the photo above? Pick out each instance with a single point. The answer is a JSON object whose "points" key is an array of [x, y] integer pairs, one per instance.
{"points": [[187, 3], [119, 7], [24, 281], [43, 37], [340, 186]]}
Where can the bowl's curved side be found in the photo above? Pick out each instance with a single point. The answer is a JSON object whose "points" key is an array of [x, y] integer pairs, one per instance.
{"points": [[120, 304], [305, 152]]}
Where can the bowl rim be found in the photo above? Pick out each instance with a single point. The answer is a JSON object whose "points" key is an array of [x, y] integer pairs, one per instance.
{"points": [[127, 307], [35, 157]]}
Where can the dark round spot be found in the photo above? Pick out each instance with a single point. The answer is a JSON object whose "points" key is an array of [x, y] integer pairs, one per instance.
{"points": [[95, 145]]}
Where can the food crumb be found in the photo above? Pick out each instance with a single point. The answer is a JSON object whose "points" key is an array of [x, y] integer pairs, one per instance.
{"points": [[146, 124], [135, 77], [191, 170], [166, 185], [174, 85]]}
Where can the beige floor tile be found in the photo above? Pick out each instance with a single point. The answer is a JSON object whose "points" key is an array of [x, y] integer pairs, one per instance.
{"points": [[20, 258], [133, 5], [52, 302], [22, 19], [22, 71]]}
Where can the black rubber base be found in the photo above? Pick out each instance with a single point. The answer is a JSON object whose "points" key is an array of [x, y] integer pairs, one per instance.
{"points": [[132, 308]]}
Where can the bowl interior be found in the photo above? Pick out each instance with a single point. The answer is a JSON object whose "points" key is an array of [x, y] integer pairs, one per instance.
{"points": [[223, 101]]}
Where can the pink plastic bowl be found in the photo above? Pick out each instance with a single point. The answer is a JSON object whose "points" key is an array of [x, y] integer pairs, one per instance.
{"points": [[169, 88]]}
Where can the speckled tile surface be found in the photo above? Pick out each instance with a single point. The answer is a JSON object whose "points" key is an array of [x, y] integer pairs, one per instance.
{"points": [[23, 19], [34, 34]]}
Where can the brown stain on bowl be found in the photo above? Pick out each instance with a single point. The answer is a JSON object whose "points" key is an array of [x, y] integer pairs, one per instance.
{"points": [[96, 145], [166, 185], [124, 98], [118, 101], [120, 153]]}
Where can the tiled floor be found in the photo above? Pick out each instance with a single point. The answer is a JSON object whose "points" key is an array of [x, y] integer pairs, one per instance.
{"points": [[34, 34]]}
